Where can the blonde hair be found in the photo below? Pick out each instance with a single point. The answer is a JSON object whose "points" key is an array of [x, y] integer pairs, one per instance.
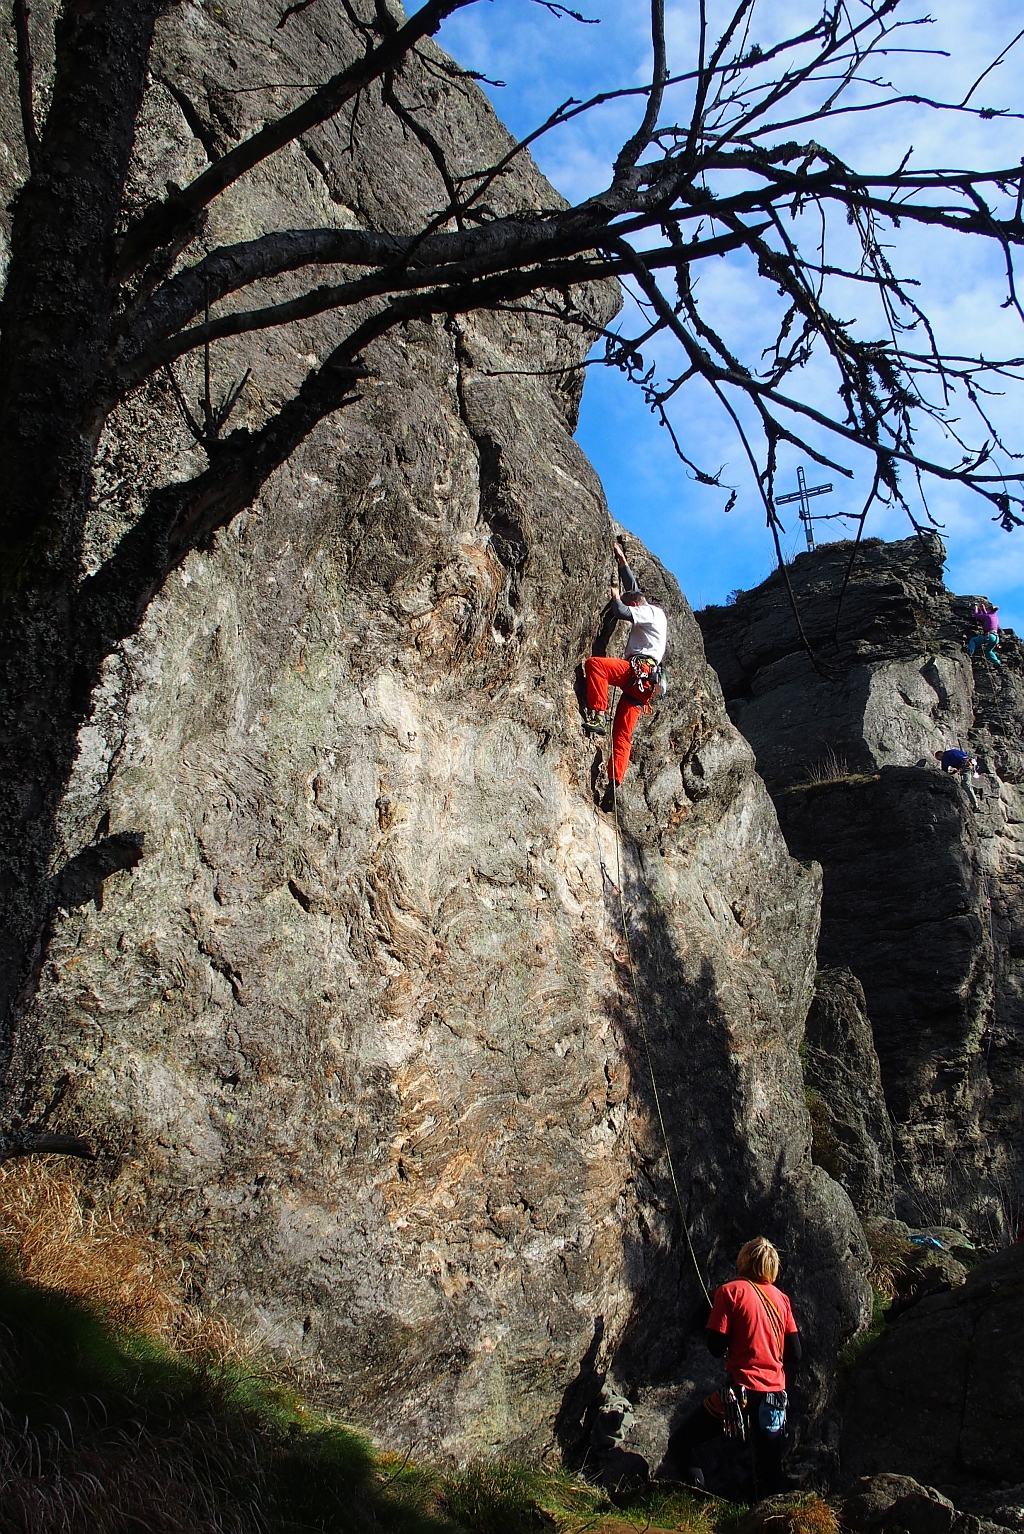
{"points": [[758, 1260]]}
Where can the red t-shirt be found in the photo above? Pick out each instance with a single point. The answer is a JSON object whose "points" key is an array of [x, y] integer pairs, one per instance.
{"points": [[755, 1318]]}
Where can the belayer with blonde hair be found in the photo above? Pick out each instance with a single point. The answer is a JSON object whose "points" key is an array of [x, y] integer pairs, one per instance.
{"points": [[758, 1260], [751, 1326]]}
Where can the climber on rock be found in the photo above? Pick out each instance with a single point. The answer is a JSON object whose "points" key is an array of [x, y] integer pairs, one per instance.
{"points": [[638, 673], [962, 765], [988, 639], [751, 1325]]}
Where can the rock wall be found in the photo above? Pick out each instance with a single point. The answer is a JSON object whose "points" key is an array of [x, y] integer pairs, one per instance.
{"points": [[922, 893], [357, 1033]]}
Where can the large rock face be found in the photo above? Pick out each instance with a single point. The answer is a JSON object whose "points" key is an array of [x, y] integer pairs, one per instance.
{"points": [[359, 1027], [940, 1396], [922, 892]]}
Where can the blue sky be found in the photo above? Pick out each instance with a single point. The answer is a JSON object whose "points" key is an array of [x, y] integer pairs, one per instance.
{"points": [[544, 59]]}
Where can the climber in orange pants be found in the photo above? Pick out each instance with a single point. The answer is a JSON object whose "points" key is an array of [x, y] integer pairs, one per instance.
{"points": [[637, 693], [638, 673]]}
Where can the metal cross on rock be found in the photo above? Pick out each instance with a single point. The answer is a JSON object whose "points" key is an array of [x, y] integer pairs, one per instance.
{"points": [[803, 495]]}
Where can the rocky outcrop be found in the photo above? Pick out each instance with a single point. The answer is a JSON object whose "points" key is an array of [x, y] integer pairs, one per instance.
{"points": [[852, 1138], [938, 1396], [921, 891], [357, 1031], [897, 1504]]}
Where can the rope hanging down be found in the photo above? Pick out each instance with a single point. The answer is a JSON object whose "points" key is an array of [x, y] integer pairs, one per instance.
{"points": [[647, 1046]]}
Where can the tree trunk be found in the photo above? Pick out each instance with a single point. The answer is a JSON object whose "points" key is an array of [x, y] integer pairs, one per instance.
{"points": [[56, 330]]}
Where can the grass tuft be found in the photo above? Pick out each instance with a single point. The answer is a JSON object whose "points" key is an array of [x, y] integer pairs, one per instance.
{"points": [[793, 1513], [831, 768], [55, 1236], [492, 1498]]}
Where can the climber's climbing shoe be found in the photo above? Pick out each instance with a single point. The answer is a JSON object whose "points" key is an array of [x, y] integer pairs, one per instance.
{"points": [[594, 721]]}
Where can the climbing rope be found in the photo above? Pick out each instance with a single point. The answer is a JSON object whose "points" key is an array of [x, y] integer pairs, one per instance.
{"points": [[995, 968], [647, 1042]]}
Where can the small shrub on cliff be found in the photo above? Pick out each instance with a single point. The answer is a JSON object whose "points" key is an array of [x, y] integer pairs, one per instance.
{"points": [[890, 1251]]}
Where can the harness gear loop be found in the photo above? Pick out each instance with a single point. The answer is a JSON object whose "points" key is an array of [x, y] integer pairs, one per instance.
{"points": [[647, 1044], [734, 1401]]}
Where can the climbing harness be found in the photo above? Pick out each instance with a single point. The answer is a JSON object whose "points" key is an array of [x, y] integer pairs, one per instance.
{"points": [[648, 679], [647, 1044]]}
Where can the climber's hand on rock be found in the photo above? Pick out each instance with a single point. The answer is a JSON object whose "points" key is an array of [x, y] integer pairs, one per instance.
{"points": [[619, 555]]}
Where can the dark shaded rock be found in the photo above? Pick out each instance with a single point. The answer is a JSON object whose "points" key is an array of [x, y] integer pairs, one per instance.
{"points": [[903, 907], [1000, 1505], [620, 1470], [924, 1271], [841, 1067], [922, 894], [897, 1504], [941, 1393], [874, 1500]]}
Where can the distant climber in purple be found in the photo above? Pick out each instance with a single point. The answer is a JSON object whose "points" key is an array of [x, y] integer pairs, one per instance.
{"points": [[989, 636]]}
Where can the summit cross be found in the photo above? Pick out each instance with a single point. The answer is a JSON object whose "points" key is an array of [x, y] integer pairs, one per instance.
{"points": [[803, 495]]}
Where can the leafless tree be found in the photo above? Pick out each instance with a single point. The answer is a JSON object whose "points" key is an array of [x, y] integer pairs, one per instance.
{"points": [[96, 304]]}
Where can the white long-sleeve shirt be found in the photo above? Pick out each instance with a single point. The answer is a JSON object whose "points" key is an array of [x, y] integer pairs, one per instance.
{"points": [[649, 634]]}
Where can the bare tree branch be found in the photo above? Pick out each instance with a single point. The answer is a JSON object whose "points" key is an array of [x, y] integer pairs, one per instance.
{"points": [[525, 275], [633, 148], [161, 222], [27, 1142]]}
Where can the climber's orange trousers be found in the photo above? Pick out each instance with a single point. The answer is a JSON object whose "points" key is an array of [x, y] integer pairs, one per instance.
{"points": [[600, 671]]}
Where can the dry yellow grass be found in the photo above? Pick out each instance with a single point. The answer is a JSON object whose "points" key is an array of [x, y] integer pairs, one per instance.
{"points": [[55, 1236]]}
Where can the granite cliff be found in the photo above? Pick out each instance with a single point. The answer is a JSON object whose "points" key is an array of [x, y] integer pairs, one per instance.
{"points": [[351, 1024], [922, 891]]}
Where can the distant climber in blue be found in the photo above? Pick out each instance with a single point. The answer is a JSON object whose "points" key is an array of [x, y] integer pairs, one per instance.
{"points": [[638, 673], [988, 639], [962, 765]]}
